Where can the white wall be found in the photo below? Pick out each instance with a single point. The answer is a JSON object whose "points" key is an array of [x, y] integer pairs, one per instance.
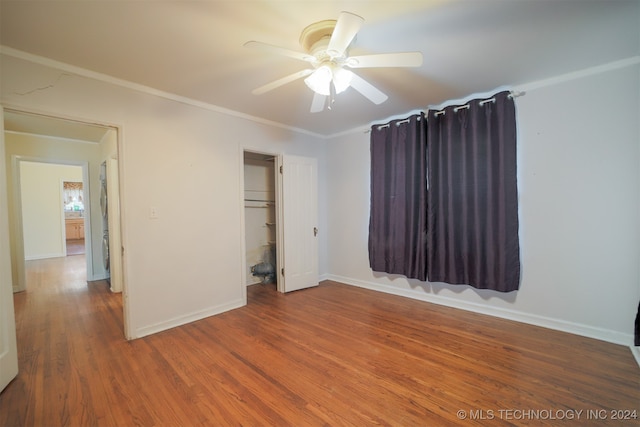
{"points": [[578, 167], [42, 207], [184, 160]]}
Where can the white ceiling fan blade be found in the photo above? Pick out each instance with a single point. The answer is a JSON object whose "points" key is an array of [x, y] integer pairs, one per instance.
{"points": [[400, 59], [318, 102], [346, 28], [280, 51], [277, 83], [367, 89]]}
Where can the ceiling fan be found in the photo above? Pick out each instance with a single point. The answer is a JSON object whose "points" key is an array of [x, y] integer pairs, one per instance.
{"points": [[326, 44]]}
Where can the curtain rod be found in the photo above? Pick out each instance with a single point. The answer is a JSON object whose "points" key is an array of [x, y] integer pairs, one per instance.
{"points": [[512, 94], [386, 125]]}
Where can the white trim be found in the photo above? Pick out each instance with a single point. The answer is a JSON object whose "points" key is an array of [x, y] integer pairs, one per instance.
{"points": [[19, 280], [97, 277], [611, 66], [635, 350], [243, 225], [58, 138], [63, 219], [614, 65], [45, 256], [603, 68], [254, 283], [88, 235], [518, 316], [145, 89], [187, 318], [243, 231], [16, 108]]}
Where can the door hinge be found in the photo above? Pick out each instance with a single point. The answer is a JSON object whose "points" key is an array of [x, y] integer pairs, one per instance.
{"points": [[280, 168], [282, 271]]}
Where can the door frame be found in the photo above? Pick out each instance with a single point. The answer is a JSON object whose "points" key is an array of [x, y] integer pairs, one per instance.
{"points": [[281, 184], [128, 333], [243, 231], [17, 211], [8, 342]]}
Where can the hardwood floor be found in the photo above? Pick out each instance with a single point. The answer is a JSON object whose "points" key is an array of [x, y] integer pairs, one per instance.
{"points": [[332, 355], [75, 247]]}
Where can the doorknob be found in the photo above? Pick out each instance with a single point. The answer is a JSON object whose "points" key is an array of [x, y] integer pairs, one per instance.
{"points": [[315, 231]]}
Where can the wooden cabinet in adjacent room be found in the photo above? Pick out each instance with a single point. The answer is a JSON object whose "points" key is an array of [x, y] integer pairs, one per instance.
{"points": [[74, 228]]}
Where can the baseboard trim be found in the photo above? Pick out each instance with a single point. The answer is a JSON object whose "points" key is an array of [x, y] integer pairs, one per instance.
{"points": [[518, 316], [44, 256], [183, 320]]}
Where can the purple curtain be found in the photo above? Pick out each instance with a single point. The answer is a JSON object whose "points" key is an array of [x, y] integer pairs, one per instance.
{"points": [[472, 196], [397, 223]]}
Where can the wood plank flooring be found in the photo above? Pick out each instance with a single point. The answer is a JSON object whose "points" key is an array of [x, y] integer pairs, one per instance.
{"points": [[334, 355], [75, 247]]}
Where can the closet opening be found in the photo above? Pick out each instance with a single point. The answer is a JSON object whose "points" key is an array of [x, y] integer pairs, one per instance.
{"points": [[260, 219]]}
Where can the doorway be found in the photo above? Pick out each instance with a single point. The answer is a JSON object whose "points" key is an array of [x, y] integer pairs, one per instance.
{"points": [[279, 219], [31, 136], [260, 219], [52, 202], [73, 201]]}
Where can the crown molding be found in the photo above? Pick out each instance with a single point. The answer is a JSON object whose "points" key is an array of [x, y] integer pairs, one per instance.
{"points": [[47, 62]]}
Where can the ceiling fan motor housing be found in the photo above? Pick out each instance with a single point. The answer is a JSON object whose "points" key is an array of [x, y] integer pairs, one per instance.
{"points": [[315, 40]]}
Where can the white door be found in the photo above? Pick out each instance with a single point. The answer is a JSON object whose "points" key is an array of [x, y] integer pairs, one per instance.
{"points": [[298, 218], [8, 346]]}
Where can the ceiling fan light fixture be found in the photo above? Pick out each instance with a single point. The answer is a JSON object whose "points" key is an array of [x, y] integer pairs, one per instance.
{"points": [[341, 79], [321, 78]]}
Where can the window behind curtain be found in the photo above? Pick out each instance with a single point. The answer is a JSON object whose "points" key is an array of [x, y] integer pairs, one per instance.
{"points": [[397, 223], [463, 229], [473, 200]]}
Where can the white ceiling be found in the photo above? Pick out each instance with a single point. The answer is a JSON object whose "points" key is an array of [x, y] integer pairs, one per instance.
{"points": [[195, 49]]}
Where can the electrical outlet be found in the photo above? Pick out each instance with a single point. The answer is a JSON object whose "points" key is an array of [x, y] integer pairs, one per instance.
{"points": [[153, 212]]}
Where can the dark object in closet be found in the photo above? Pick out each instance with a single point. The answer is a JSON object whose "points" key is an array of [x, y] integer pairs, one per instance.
{"points": [[637, 330], [265, 270]]}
